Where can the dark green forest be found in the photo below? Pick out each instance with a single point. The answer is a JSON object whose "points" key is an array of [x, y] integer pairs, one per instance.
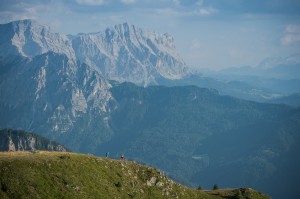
{"points": [[199, 136]]}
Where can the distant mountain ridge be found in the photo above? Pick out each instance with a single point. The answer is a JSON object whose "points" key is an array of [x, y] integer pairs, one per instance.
{"points": [[277, 67], [122, 53], [293, 100], [28, 38], [275, 77], [15, 140], [128, 53], [272, 62]]}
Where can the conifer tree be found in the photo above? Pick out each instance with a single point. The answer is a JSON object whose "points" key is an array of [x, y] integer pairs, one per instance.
{"points": [[215, 187]]}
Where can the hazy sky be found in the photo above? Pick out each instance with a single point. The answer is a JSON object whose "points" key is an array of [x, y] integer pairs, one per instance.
{"points": [[207, 33]]}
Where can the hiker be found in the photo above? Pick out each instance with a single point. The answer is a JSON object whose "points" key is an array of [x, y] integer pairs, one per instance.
{"points": [[122, 157], [107, 154]]}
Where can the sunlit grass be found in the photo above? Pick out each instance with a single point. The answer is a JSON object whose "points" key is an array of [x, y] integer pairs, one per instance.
{"points": [[71, 175]]}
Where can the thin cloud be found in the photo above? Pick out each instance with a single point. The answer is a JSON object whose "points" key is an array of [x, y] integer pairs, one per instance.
{"points": [[290, 39], [128, 1], [195, 45], [19, 11], [292, 29], [200, 2], [167, 12], [207, 11], [176, 2], [12, 16], [91, 2], [292, 35]]}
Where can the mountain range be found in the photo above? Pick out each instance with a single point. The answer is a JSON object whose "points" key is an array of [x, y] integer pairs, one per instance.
{"points": [[123, 52], [199, 136], [76, 90], [278, 75]]}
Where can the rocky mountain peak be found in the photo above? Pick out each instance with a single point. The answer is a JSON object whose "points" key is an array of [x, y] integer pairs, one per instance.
{"points": [[128, 53], [26, 24], [123, 52], [132, 32], [124, 28], [28, 38]]}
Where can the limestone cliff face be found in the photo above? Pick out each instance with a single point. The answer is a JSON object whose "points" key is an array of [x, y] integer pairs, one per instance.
{"points": [[14, 140], [55, 97], [122, 53]]}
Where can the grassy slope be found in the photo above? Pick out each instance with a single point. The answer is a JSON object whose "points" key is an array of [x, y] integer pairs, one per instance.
{"points": [[70, 175]]}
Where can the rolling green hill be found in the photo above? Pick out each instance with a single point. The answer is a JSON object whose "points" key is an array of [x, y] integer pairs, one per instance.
{"points": [[69, 175]]}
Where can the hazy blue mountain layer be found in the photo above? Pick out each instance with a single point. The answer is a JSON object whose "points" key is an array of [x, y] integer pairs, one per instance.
{"points": [[280, 77], [199, 136], [124, 53]]}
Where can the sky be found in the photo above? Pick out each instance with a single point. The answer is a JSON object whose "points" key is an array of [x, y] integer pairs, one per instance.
{"points": [[212, 34]]}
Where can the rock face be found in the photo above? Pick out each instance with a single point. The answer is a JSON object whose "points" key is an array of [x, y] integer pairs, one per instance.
{"points": [[122, 53], [28, 38], [128, 53], [58, 84], [13, 140], [54, 94]]}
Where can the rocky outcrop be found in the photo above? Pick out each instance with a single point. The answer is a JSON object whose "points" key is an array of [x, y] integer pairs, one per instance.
{"points": [[14, 140], [29, 38], [128, 53], [54, 95]]}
